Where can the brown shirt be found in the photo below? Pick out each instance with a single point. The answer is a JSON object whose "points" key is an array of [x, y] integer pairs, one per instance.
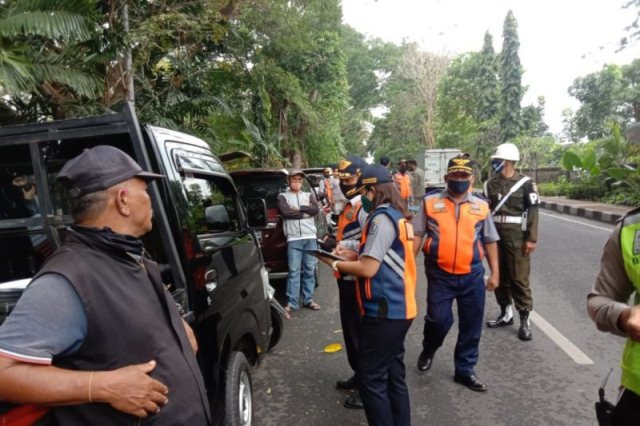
{"points": [[612, 289], [524, 200]]}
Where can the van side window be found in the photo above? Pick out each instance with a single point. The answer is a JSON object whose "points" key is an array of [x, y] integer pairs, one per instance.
{"points": [[23, 244], [212, 205]]}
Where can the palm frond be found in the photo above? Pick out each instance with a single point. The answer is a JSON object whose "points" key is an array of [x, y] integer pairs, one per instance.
{"points": [[58, 25], [80, 82]]}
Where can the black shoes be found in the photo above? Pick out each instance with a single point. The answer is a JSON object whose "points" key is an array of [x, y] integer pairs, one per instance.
{"points": [[349, 384], [354, 402], [524, 333], [425, 360], [505, 318], [472, 382]]}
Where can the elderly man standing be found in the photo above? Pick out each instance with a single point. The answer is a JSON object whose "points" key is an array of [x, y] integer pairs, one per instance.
{"points": [[96, 335], [298, 209]]}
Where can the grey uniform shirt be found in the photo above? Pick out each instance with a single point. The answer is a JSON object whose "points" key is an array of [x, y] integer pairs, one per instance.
{"points": [[612, 288], [380, 237]]}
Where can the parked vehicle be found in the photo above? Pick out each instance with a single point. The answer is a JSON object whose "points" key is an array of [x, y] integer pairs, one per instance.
{"points": [[267, 184], [435, 166], [202, 235]]}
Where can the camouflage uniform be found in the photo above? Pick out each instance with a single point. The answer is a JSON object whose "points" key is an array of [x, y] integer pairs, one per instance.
{"points": [[514, 265]]}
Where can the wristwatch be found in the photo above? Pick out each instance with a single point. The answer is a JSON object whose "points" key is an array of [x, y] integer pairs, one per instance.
{"points": [[334, 265]]}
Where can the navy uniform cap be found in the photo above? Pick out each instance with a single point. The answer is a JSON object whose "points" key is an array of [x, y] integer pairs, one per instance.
{"points": [[351, 166], [99, 168], [375, 174], [461, 163]]}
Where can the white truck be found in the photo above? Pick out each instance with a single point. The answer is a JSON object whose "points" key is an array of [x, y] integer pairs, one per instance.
{"points": [[435, 166]]}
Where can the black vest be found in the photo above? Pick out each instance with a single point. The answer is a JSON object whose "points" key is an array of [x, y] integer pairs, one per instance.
{"points": [[131, 319]]}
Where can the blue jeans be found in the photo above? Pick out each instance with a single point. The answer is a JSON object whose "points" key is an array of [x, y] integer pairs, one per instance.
{"points": [[298, 261]]}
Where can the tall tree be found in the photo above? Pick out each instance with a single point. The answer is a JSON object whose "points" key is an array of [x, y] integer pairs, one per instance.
{"points": [[533, 119], [424, 70], [599, 95], [631, 88], [488, 81], [510, 80]]}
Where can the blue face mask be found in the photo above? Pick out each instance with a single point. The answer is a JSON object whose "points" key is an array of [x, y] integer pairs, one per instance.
{"points": [[497, 165], [458, 187]]}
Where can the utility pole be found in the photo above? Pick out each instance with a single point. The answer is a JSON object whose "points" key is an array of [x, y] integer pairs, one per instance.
{"points": [[128, 67]]}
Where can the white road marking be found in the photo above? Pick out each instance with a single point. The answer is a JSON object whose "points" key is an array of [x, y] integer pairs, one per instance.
{"points": [[575, 221], [556, 337]]}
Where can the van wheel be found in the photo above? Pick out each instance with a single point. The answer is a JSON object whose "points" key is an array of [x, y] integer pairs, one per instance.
{"points": [[238, 391], [277, 327]]}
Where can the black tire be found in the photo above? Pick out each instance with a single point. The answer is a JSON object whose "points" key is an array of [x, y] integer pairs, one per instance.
{"points": [[277, 327], [238, 392]]}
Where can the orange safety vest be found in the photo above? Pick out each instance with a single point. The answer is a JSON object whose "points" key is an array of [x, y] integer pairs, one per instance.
{"points": [[454, 243], [348, 227], [328, 190], [391, 292], [404, 184]]}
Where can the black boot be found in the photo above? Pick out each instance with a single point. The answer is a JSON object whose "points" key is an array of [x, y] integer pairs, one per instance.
{"points": [[505, 318], [525, 328]]}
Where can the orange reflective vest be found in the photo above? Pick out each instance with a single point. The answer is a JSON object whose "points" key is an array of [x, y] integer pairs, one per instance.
{"points": [[349, 228], [391, 292], [454, 240], [404, 184], [328, 190]]}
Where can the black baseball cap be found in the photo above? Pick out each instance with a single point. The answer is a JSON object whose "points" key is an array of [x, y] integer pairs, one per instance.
{"points": [[99, 168], [385, 160]]}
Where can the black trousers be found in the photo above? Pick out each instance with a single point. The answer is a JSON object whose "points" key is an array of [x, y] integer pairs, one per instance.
{"points": [[381, 372], [350, 319], [627, 411]]}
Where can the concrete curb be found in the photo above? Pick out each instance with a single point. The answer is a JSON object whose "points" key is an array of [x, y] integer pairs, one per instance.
{"points": [[592, 214]]}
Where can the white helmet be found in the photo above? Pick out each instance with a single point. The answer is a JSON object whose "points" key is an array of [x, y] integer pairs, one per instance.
{"points": [[507, 151]]}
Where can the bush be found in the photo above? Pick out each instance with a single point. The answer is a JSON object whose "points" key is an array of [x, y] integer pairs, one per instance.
{"points": [[554, 189], [586, 191], [623, 198]]}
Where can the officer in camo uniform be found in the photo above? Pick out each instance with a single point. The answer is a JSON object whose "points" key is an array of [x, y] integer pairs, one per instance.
{"points": [[514, 202]]}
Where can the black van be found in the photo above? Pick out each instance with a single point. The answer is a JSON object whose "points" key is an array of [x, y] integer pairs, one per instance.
{"points": [[202, 234]]}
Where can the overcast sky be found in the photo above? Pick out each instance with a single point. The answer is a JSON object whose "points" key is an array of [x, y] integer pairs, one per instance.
{"points": [[560, 40]]}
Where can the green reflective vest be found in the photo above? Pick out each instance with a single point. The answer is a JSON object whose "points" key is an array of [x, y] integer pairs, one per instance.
{"points": [[630, 245]]}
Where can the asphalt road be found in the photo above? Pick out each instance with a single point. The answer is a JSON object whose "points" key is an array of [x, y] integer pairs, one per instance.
{"points": [[530, 383]]}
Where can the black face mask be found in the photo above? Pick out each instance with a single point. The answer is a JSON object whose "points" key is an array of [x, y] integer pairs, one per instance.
{"points": [[402, 169], [349, 191]]}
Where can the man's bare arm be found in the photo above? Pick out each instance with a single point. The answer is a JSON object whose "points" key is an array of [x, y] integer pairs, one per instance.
{"points": [[128, 389], [492, 258]]}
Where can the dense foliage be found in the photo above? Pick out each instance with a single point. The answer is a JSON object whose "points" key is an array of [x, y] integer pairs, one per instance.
{"points": [[288, 82]]}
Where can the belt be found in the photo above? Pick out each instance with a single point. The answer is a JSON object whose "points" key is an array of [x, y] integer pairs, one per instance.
{"points": [[507, 219]]}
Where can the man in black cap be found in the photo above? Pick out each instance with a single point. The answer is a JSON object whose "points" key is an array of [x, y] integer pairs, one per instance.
{"points": [[96, 335], [459, 233], [298, 208]]}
